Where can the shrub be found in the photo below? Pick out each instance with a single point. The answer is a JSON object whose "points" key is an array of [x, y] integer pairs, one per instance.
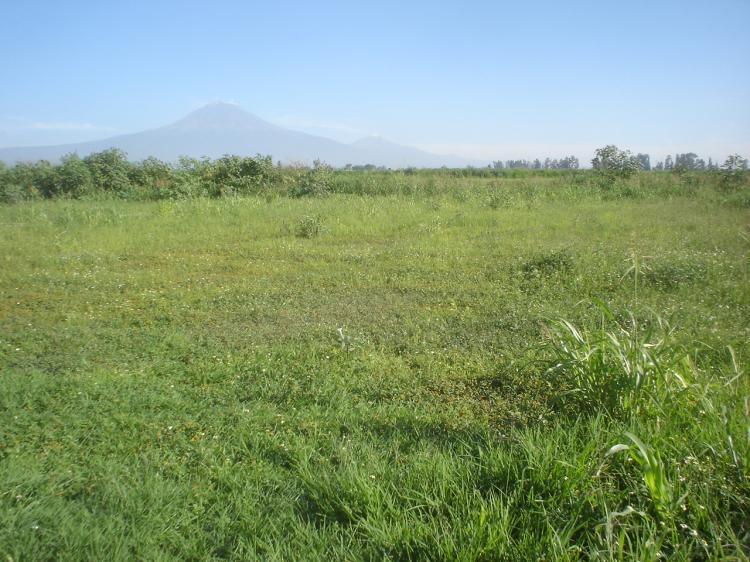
{"points": [[313, 182], [74, 176], [611, 163], [109, 171], [13, 193], [231, 175], [32, 179]]}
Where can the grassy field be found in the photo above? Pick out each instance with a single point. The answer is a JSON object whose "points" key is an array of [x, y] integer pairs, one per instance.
{"points": [[376, 377]]}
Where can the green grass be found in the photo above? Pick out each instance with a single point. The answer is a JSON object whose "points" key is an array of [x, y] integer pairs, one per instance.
{"points": [[374, 377]]}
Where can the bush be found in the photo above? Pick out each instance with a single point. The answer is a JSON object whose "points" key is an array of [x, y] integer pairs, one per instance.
{"points": [[235, 175], [13, 193], [611, 163], [74, 176], [314, 182], [109, 171]]}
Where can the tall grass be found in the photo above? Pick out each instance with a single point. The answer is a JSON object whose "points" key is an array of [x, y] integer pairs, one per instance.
{"points": [[617, 367]]}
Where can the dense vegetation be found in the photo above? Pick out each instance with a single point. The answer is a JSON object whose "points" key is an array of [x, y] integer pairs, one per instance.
{"points": [[109, 174], [340, 365]]}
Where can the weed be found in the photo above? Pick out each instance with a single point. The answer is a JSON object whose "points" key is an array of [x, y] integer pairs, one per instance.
{"points": [[654, 474], [309, 226], [548, 263], [615, 366], [498, 199]]}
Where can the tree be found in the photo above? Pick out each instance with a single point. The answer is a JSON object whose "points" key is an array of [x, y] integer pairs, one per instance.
{"points": [[685, 161], [74, 176], [34, 179], [645, 161], [733, 172], [611, 162], [569, 163], [109, 170]]}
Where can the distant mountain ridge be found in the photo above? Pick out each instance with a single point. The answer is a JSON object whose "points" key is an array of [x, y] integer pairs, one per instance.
{"points": [[221, 116], [223, 128]]}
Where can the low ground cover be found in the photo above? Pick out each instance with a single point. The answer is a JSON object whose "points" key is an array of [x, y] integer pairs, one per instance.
{"points": [[485, 370]]}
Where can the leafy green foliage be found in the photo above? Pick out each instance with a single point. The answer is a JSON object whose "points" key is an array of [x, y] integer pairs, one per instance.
{"points": [[733, 172], [109, 171], [233, 175], [110, 175], [75, 178], [315, 182], [654, 475], [615, 368], [611, 163]]}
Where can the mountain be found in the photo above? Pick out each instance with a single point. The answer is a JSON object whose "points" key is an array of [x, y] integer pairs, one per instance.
{"points": [[223, 128], [221, 117], [379, 149]]}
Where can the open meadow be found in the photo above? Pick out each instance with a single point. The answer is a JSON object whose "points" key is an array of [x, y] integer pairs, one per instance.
{"points": [[449, 368]]}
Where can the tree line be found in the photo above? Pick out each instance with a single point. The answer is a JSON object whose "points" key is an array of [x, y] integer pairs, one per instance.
{"points": [[687, 161], [566, 163], [611, 164], [109, 173]]}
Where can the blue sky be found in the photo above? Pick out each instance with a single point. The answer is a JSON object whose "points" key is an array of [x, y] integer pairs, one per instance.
{"points": [[481, 79]]}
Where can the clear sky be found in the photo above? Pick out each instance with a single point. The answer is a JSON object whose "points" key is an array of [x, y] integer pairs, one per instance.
{"points": [[482, 79]]}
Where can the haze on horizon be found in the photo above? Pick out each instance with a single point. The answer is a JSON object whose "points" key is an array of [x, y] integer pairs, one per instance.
{"points": [[484, 81]]}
